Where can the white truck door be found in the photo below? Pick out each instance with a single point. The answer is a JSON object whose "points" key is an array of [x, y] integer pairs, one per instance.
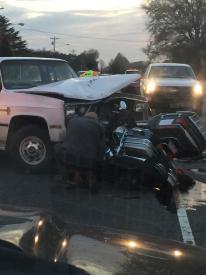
{"points": [[4, 126]]}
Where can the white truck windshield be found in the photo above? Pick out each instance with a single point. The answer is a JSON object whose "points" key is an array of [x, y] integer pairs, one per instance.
{"points": [[27, 74], [171, 72]]}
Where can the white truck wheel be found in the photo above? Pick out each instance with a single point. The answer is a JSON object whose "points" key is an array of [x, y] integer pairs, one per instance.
{"points": [[30, 148]]}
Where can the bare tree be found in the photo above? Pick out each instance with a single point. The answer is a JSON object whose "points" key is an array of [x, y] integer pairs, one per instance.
{"points": [[178, 30]]}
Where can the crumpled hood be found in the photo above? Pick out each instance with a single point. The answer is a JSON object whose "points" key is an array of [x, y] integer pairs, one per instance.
{"points": [[88, 88], [177, 82]]}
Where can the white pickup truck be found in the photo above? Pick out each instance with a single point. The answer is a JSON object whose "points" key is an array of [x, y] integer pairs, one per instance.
{"points": [[29, 123], [172, 86], [35, 96]]}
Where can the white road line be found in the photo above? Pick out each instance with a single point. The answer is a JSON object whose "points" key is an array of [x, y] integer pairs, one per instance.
{"points": [[185, 227]]}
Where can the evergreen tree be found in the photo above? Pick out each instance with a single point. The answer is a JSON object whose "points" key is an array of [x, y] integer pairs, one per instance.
{"points": [[10, 41], [118, 65]]}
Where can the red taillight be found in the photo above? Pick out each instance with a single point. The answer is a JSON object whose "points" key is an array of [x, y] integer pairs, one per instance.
{"points": [[165, 148], [160, 146], [170, 156], [183, 122], [180, 171]]}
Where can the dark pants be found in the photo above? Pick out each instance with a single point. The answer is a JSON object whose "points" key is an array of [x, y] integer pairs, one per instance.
{"points": [[78, 169], [60, 159]]}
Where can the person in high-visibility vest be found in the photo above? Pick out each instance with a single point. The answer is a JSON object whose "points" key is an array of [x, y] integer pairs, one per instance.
{"points": [[89, 73]]}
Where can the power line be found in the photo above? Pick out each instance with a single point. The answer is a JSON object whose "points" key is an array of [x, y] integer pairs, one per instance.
{"points": [[53, 39], [84, 36]]}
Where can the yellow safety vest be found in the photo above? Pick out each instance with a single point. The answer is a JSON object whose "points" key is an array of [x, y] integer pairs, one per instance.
{"points": [[89, 74]]}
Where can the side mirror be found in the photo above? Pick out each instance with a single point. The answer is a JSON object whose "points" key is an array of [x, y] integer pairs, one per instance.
{"points": [[122, 105]]}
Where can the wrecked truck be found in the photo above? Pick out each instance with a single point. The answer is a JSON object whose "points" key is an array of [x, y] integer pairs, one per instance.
{"points": [[29, 124], [39, 95], [34, 119]]}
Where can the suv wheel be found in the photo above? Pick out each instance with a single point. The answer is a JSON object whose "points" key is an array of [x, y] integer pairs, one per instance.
{"points": [[30, 148]]}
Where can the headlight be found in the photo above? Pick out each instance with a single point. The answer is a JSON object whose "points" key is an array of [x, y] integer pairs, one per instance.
{"points": [[197, 90], [140, 107], [151, 86], [69, 110]]}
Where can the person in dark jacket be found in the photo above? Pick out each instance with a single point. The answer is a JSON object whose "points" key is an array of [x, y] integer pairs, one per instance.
{"points": [[82, 153]]}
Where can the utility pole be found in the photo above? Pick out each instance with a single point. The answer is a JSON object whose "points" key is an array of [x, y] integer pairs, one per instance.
{"points": [[53, 39]]}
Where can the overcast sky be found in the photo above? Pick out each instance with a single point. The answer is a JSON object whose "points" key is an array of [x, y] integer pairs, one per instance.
{"points": [[110, 26]]}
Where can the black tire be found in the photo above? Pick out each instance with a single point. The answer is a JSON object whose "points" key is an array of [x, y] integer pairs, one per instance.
{"points": [[165, 194], [23, 135]]}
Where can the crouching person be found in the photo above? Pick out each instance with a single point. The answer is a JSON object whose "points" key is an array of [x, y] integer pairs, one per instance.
{"points": [[80, 157]]}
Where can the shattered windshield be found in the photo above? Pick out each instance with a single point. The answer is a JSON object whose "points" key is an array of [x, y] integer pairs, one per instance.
{"points": [[103, 137]]}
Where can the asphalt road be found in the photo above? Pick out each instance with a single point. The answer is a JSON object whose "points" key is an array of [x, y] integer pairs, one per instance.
{"points": [[137, 211]]}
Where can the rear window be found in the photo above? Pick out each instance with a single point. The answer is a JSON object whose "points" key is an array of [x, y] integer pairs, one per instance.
{"points": [[27, 74], [171, 72]]}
